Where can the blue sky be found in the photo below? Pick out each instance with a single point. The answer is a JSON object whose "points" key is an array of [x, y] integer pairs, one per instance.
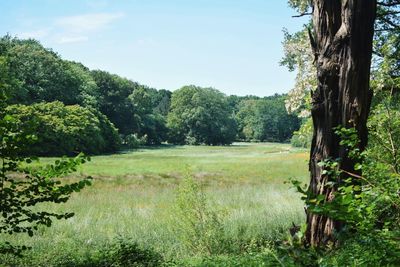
{"points": [[234, 46]]}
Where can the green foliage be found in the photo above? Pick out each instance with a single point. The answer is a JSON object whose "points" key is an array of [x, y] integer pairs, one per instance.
{"points": [[131, 107], [114, 101], [233, 102], [303, 137], [253, 256], [23, 189], [384, 128], [265, 120], [37, 74], [294, 252], [364, 203], [133, 141], [154, 129], [368, 205], [64, 130], [7, 82], [161, 101], [88, 90], [151, 106], [119, 252], [365, 250], [386, 63], [198, 224], [200, 116], [301, 6], [205, 116], [126, 252], [300, 58], [42, 75]]}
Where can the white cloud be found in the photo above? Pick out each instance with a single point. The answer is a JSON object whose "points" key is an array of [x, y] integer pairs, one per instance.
{"points": [[72, 39], [73, 29], [87, 22]]}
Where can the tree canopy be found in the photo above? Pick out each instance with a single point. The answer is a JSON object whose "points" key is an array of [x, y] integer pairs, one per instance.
{"points": [[64, 130], [141, 115], [200, 116], [266, 119]]}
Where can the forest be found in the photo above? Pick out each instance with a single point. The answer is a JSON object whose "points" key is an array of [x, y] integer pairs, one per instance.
{"points": [[101, 170], [93, 111]]}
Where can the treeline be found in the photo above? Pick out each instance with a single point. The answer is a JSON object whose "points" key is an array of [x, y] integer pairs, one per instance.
{"points": [[69, 108]]}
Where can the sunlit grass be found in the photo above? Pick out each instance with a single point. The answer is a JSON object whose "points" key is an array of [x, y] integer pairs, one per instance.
{"points": [[133, 195]]}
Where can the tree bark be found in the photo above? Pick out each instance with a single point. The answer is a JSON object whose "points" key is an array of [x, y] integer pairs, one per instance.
{"points": [[342, 44]]}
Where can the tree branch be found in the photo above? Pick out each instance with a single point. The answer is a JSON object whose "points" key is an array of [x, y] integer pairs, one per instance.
{"points": [[302, 15]]}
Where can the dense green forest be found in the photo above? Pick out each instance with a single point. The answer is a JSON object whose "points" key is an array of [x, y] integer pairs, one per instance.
{"points": [[93, 111]]}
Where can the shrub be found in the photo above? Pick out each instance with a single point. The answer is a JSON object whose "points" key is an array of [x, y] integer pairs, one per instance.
{"points": [[254, 255], [134, 141], [365, 250], [198, 225], [126, 252]]}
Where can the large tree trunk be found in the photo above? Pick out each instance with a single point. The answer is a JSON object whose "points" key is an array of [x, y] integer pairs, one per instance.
{"points": [[342, 43]]}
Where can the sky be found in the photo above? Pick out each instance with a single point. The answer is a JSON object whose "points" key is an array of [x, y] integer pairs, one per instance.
{"points": [[234, 46]]}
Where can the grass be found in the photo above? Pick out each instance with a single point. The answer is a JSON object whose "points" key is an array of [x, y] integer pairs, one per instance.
{"points": [[133, 196]]}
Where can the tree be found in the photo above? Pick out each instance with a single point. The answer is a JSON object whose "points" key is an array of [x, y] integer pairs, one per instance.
{"points": [[64, 130], [81, 78], [384, 138], [133, 108], [386, 62], [299, 56], [200, 116], [149, 104], [266, 119], [342, 46], [114, 102], [161, 101], [23, 188], [42, 75]]}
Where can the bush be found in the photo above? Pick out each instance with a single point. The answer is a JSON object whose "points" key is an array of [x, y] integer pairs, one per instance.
{"points": [[120, 252], [254, 254], [198, 225], [65, 130], [126, 252], [368, 250], [134, 141]]}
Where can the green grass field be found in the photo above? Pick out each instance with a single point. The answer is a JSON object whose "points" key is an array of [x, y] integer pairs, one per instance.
{"points": [[134, 193]]}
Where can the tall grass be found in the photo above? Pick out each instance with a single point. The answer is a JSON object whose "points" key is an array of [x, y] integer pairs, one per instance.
{"points": [[134, 195]]}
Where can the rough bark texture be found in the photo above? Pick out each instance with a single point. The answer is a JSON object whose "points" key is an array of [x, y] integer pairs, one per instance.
{"points": [[342, 44]]}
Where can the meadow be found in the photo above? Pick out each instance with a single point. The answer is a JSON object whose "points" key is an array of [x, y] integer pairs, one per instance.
{"points": [[133, 196]]}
